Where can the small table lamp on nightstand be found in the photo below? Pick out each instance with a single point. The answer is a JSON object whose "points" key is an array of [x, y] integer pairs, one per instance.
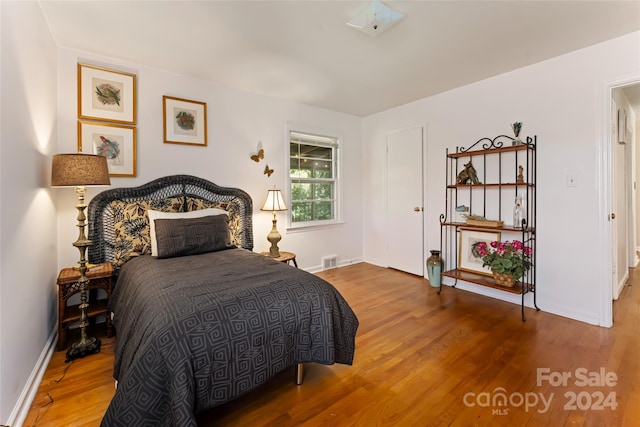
{"points": [[274, 203], [80, 171]]}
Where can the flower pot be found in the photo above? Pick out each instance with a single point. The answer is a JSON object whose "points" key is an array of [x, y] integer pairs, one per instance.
{"points": [[502, 279], [434, 268]]}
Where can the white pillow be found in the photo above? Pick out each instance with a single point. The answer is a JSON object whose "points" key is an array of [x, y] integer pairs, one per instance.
{"points": [[153, 215]]}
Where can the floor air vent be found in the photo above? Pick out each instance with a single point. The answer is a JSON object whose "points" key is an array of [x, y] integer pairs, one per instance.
{"points": [[329, 262]]}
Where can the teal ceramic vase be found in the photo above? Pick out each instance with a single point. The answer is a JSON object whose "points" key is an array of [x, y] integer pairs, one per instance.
{"points": [[434, 268]]}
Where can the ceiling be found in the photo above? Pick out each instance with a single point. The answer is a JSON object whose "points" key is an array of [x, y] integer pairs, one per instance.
{"points": [[302, 50]]}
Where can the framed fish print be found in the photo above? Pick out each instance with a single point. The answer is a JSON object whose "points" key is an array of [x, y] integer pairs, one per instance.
{"points": [[106, 95], [117, 143], [184, 122]]}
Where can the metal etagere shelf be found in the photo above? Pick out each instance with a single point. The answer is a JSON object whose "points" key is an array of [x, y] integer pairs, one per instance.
{"points": [[506, 169]]}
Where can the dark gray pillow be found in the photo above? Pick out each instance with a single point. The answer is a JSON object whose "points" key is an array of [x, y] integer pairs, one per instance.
{"points": [[192, 236]]}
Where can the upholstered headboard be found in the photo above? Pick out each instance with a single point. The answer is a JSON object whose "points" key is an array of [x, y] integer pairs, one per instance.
{"points": [[119, 224]]}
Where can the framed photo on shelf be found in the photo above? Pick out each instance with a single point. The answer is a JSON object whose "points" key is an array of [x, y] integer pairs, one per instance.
{"points": [[106, 95], [468, 257], [184, 121], [117, 143]]}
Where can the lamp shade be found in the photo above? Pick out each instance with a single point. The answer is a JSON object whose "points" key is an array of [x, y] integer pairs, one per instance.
{"points": [[274, 201], [78, 170]]}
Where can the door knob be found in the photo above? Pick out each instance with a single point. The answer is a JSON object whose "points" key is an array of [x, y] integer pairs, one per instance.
{"points": [[613, 216], [416, 209]]}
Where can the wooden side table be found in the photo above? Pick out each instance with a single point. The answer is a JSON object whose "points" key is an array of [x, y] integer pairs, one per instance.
{"points": [[285, 257], [100, 277]]}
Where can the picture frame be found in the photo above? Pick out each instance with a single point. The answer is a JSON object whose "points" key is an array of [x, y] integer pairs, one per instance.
{"points": [[467, 259], [622, 126], [106, 95], [117, 143], [184, 121]]}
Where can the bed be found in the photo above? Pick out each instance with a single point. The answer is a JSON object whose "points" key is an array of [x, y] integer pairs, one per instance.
{"points": [[199, 327]]}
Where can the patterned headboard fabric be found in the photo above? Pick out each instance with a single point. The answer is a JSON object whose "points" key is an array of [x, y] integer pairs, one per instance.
{"points": [[119, 224]]}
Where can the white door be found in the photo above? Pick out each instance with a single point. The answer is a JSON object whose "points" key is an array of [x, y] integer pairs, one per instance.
{"points": [[614, 198], [621, 225], [404, 201], [621, 220]]}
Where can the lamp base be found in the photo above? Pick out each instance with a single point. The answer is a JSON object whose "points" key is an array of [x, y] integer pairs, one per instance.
{"points": [[273, 238], [274, 252], [82, 349]]}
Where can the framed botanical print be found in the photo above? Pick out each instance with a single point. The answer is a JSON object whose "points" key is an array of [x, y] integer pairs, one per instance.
{"points": [[468, 258], [106, 95], [116, 143], [184, 122]]}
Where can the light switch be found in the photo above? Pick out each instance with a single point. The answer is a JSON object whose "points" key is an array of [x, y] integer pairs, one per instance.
{"points": [[572, 180]]}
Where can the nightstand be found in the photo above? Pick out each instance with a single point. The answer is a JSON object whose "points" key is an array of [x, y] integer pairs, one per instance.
{"points": [[100, 277], [284, 257]]}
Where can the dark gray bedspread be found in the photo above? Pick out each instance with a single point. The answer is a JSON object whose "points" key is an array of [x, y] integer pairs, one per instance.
{"points": [[197, 331]]}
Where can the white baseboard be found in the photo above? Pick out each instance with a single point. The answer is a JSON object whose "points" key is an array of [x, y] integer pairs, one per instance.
{"points": [[563, 311], [618, 288], [571, 313], [375, 261], [492, 293], [22, 406]]}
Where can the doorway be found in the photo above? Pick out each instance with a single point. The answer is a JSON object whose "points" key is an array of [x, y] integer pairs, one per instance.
{"points": [[623, 214], [405, 209]]}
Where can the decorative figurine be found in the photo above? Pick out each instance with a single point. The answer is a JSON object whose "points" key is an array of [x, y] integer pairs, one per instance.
{"points": [[468, 174], [462, 211], [520, 178], [259, 155], [517, 126]]}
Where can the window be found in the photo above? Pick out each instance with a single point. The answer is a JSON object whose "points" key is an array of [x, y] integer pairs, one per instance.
{"points": [[313, 179]]}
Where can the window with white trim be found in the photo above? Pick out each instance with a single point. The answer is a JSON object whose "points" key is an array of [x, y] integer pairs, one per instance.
{"points": [[313, 179]]}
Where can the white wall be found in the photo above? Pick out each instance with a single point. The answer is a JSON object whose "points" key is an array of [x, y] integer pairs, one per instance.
{"points": [[564, 102], [27, 212], [237, 123]]}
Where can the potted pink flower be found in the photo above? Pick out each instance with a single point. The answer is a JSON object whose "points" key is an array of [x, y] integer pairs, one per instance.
{"points": [[510, 258]]}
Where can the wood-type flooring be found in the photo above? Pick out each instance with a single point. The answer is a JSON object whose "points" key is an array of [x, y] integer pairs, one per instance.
{"points": [[422, 359]]}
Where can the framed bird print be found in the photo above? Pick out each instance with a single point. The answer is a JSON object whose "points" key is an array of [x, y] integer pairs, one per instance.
{"points": [[117, 143], [184, 121], [106, 95]]}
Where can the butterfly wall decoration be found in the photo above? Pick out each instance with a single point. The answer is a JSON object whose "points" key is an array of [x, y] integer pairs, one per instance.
{"points": [[268, 171], [256, 157]]}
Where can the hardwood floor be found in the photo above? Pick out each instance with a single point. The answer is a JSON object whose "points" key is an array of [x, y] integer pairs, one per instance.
{"points": [[421, 360]]}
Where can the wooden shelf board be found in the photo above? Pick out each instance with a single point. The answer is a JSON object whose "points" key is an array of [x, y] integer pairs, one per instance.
{"points": [[491, 150], [503, 228], [504, 184], [483, 280], [96, 308], [71, 275]]}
